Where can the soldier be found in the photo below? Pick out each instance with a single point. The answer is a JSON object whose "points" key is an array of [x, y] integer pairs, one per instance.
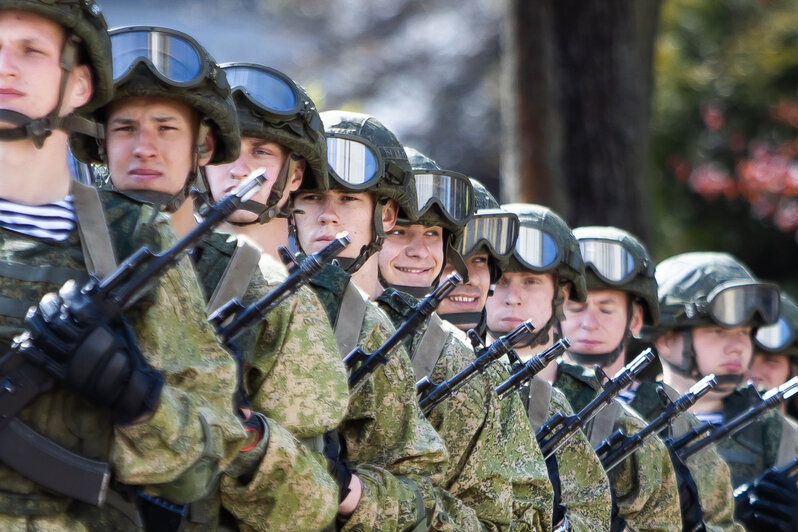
{"points": [[392, 449], [599, 329], [607, 250], [490, 451], [153, 152], [163, 420], [544, 270]]}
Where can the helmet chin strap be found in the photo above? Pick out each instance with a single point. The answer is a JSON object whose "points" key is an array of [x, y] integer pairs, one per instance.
{"points": [[353, 265], [38, 129], [269, 210], [689, 367]]}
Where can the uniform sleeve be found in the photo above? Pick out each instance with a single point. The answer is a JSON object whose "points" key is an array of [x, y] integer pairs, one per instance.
{"points": [[194, 430], [289, 490], [645, 483], [584, 485]]}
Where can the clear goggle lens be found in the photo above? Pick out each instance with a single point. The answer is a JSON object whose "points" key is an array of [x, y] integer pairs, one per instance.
{"points": [[737, 305], [175, 58], [352, 162], [498, 231], [451, 191], [775, 337], [269, 89], [609, 259], [536, 248]]}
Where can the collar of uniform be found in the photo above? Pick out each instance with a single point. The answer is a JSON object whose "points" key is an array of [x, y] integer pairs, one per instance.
{"points": [[578, 384], [399, 302]]}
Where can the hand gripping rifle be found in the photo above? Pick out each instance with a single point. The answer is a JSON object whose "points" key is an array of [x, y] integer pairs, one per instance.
{"points": [[419, 314], [686, 446], [532, 367], [556, 431], [431, 395], [25, 372], [618, 446]]}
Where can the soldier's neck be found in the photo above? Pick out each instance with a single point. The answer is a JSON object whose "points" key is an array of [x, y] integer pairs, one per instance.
{"points": [[35, 176], [182, 220], [367, 278]]}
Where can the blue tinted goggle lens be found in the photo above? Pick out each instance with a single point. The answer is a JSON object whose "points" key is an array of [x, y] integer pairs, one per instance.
{"points": [[174, 58], [536, 248], [269, 90], [352, 162]]}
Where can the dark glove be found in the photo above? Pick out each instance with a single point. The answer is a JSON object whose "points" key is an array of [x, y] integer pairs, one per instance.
{"points": [[769, 504], [617, 523], [692, 514], [337, 465], [553, 469], [96, 358]]}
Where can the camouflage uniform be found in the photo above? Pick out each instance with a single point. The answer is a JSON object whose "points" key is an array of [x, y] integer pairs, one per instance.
{"points": [[487, 459], [294, 375], [709, 471], [585, 489], [177, 451], [645, 484], [393, 449]]}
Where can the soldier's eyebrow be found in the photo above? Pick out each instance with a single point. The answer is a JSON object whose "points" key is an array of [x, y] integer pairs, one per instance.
{"points": [[122, 121]]}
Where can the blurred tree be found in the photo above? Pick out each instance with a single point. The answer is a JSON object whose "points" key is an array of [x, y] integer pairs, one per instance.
{"points": [[576, 108]]}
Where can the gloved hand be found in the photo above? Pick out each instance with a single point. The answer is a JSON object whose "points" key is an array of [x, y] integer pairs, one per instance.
{"points": [[769, 504], [99, 360], [337, 465], [692, 514]]}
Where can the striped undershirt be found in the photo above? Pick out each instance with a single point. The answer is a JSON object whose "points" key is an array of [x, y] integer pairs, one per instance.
{"points": [[53, 221]]}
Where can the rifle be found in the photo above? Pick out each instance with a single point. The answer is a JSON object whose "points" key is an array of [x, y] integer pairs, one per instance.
{"points": [[419, 314], [618, 446], [532, 367], [556, 431], [431, 395], [684, 446], [26, 373], [233, 317]]}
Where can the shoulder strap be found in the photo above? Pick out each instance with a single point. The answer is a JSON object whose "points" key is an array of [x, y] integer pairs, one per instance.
{"points": [[539, 401], [95, 238], [788, 442], [237, 275], [429, 347], [350, 319], [602, 425]]}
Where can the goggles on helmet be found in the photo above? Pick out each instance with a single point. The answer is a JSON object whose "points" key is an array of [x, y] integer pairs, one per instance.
{"points": [[269, 90], [611, 261], [357, 164], [775, 337], [732, 305], [496, 228], [451, 191], [536, 249], [173, 57]]}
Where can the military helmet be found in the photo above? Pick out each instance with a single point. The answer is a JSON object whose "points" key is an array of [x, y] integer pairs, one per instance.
{"points": [[781, 337], [546, 244], [363, 155], [706, 288], [84, 19], [271, 106], [616, 260], [161, 62], [490, 230]]}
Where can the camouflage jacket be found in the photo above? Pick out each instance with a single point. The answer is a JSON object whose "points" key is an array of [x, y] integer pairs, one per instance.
{"points": [[709, 471], [293, 374], [770, 441], [585, 490], [178, 450], [392, 447], [645, 484], [482, 461]]}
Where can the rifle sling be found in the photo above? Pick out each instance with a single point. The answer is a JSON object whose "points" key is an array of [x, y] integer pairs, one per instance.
{"points": [[539, 401], [237, 276], [353, 312], [98, 252], [429, 348], [787, 443], [603, 423]]}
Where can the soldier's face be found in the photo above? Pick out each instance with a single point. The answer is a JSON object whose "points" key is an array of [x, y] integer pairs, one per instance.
{"points": [[255, 153], [768, 370], [598, 325], [470, 296], [723, 351], [412, 255], [520, 296], [321, 216], [150, 144], [30, 71]]}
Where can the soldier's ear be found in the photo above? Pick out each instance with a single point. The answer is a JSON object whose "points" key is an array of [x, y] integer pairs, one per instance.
{"points": [[667, 346], [206, 148], [636, 323], [390, 211]]}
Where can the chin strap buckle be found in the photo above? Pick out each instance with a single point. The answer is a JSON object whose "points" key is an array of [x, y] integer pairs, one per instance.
{"points": [[39, 130]]}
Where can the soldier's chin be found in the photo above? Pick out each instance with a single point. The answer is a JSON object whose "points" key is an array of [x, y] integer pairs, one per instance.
{"points": [[242, 217]]}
